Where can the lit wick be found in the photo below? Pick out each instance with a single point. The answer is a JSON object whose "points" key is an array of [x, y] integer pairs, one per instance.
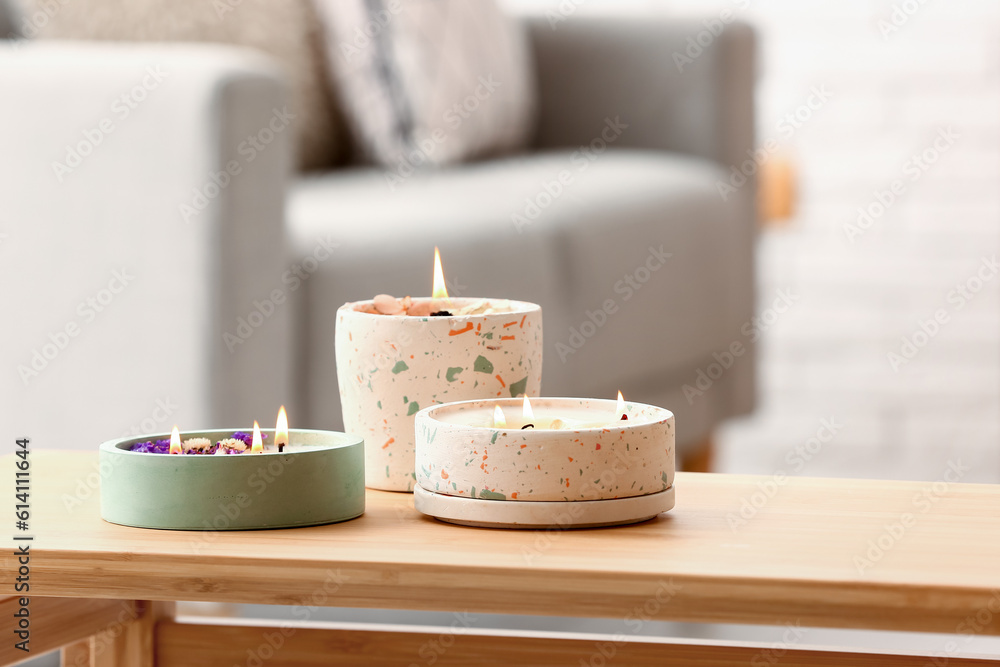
{"points": [[499, 421], [175, 441], [257, 445], [621, 408], [527, 412], [281, 430], [439, 293]]}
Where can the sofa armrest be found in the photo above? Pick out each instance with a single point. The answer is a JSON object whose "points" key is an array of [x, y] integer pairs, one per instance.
{"points": [[640, 69], [142, 218]]}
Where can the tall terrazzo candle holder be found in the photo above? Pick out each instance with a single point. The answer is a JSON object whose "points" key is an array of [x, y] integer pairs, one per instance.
{"points": [[318, 479], [604, 472], [391, 366]]}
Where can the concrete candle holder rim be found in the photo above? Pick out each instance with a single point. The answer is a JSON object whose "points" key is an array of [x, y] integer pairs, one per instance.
{"points": [[459, 453], [540, 403], [522, 308], [318, 484], [119, 445]]}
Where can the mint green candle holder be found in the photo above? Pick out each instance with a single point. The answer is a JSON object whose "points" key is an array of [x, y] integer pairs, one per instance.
{"points": [[318, 479]]}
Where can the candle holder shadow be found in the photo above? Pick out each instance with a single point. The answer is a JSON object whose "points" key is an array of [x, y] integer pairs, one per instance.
{"points": [[318, 479], [603, 472]]}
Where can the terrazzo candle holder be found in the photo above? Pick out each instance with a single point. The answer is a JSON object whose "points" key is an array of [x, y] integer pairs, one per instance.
{"points": [[318, 479], [604, 471], [391, 366]]}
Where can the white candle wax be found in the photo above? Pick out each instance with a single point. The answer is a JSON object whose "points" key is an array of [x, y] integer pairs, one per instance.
{"points": [[561, 418]]}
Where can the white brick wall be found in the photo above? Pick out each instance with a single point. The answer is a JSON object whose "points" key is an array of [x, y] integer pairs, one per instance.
{"points": [[828, 356], [890, 97]]}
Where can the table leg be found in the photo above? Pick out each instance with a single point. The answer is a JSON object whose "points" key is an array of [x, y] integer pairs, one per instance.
{"points": [[129, 644], [76, 655]]}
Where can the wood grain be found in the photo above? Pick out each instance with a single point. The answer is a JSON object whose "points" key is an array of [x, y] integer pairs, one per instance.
{"points": [[56, 622], [76, 654], [792, 559], [134, 645], [190, 645]]}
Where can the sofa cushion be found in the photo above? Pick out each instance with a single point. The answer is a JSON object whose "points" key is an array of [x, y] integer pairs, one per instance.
{"points": [[628, 253], [429, 82], [287, 31]]}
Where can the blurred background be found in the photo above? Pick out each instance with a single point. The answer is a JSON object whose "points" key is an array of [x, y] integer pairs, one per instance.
{"points": [[852, 260]]}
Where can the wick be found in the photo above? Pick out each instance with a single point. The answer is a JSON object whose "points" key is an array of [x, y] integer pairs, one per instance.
{"points": [[281, 447], [624, 417], [527, 426], [442, 313]]}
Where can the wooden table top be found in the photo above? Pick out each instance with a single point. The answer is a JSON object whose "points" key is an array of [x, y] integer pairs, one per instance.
{"points": [[817, 552]]}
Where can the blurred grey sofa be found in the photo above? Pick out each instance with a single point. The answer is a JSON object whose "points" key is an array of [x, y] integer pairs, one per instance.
{"points": [[612, 221]]}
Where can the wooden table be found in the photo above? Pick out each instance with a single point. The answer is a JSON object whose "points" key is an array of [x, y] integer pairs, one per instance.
{"points": [[808, 552]]}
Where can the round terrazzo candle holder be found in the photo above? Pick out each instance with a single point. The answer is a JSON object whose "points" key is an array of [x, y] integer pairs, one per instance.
{"points": [[597, 470], [318, 479], [391, 366]]}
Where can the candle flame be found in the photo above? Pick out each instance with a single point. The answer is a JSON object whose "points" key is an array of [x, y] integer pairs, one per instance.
{"points": [[175, 441], [257, 445], [440, 289], [499, 421], [526, 410], [281, 429], [620, 411]]}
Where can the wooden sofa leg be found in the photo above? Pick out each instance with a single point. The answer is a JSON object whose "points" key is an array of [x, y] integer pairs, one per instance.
{"points": [[701, 458]]}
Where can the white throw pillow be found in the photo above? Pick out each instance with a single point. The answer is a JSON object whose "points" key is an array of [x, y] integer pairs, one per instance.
{"points": [[429, 81]]}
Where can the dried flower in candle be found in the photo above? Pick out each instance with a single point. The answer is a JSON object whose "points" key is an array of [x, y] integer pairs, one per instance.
{"points": [[155, 447], [247, 438], [233, 444], [198, 444]]}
